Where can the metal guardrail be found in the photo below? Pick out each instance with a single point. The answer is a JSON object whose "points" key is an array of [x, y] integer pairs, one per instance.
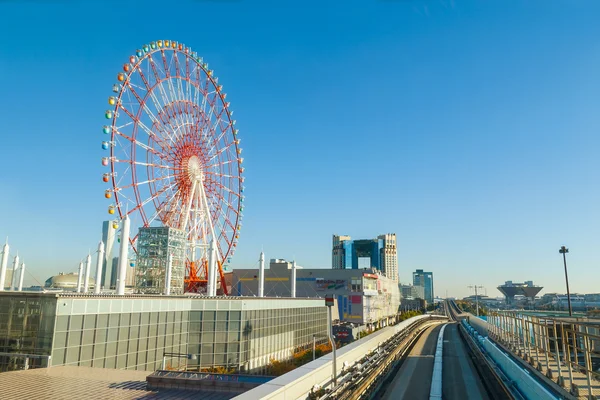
{"points": [[563, 349], [496, 383], [208, 376]]}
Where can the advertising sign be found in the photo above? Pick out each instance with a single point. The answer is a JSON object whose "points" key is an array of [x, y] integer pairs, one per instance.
{"points": [[329, 301], [330, 284]]}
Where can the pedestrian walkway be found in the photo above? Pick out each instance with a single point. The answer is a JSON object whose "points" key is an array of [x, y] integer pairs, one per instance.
{"points": [[563, 351]]}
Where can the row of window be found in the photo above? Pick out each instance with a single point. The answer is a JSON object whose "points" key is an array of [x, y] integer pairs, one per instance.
{"points": [[92, 321]]}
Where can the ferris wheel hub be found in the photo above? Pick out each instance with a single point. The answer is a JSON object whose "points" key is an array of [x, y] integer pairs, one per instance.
{"points": [[194, 168]]}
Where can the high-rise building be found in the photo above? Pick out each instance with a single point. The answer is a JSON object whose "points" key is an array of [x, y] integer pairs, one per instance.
{"points": [[154, 246], [424, 279], [340, 245], [389, 256], [412, 291], [108, 238], [379, 253], [114, 272]]}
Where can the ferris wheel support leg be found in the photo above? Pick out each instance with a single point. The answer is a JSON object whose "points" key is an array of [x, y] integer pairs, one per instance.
{"points": [[189, 206], [212, 251], [122, 271]]}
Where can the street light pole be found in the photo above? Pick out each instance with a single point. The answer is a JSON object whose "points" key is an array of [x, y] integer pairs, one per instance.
{"points": [[476, 297], [563, 250]]}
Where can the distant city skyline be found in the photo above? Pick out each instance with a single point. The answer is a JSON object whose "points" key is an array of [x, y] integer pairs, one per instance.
{"points": [[470, 129]]}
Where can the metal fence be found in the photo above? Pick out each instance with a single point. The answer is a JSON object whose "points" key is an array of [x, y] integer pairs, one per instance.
{"points": [[566, 350]]}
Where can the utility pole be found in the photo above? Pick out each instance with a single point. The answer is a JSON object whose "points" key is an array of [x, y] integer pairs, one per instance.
{"points": [[476, 296], [563, 250]]}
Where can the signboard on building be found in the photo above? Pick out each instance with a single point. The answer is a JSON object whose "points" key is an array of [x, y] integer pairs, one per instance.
{"points": [[372, 276], [329, 301], [330, 284]]}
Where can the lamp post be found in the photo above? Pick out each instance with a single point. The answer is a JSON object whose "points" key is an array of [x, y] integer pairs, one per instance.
{"points": [[476, 296], [563, 250]]}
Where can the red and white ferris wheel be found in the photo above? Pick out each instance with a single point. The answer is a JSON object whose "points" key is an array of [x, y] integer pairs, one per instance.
{"points": [[173, 154]]}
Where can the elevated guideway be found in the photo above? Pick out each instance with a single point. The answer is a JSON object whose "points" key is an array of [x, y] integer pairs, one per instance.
{"points": [[441, 365], [361, 366]]}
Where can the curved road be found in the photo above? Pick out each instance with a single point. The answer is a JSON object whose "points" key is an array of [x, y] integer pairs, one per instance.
{"points": [[459, 378]]}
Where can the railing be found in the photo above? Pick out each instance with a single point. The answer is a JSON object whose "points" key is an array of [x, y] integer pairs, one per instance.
{"points": [[23, 361], [564, 350], [208, 376]]}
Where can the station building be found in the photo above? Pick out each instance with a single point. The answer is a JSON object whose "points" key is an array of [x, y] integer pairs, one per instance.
{"points": [[363, 296], [135, 331]]}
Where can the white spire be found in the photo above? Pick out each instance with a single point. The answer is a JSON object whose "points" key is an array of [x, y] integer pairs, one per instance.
{"points": [[4, 264]]}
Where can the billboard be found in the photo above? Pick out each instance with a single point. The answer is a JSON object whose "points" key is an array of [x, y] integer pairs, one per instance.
{"points": [[330, 284]]}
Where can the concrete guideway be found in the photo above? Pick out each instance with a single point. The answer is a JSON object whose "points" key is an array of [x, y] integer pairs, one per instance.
{"points": [[413, 379], [457, 379], [362, 366], [460, 378], [435, 393]]}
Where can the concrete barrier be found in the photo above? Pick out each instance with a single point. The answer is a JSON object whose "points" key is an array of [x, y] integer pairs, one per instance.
{"points": [[298, 383], [526, 384]]}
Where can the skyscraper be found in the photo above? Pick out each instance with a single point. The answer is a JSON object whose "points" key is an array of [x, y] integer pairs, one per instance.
{"points": [[108, 238], [389, 256], [379, 253], [424, 279]]}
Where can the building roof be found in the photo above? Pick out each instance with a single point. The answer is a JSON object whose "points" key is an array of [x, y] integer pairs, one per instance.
{"points": [[66, 382]]}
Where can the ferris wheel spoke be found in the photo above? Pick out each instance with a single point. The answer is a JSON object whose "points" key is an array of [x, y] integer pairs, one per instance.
{"points": [[121, 146], [123, 126], [222, 175], [158, 83], [142, 145], [217, 207], [146, 182], [162, 209], [223, 201], [145, 164], [221, 163], [229, 190], [221, 151], [151, 198]]}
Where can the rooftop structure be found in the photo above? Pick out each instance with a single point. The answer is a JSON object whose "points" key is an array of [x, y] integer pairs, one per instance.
{"points": [[155, 245], [511, 289], [363, 296]]}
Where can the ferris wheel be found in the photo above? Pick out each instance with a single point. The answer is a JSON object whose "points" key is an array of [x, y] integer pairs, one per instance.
{"points": [[173, 157]]}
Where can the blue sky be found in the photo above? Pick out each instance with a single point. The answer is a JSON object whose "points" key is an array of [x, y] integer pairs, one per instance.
{"points": [[469, 128]]}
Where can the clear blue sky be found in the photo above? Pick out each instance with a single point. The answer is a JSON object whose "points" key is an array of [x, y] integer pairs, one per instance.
{"points": [[469, 128]]}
